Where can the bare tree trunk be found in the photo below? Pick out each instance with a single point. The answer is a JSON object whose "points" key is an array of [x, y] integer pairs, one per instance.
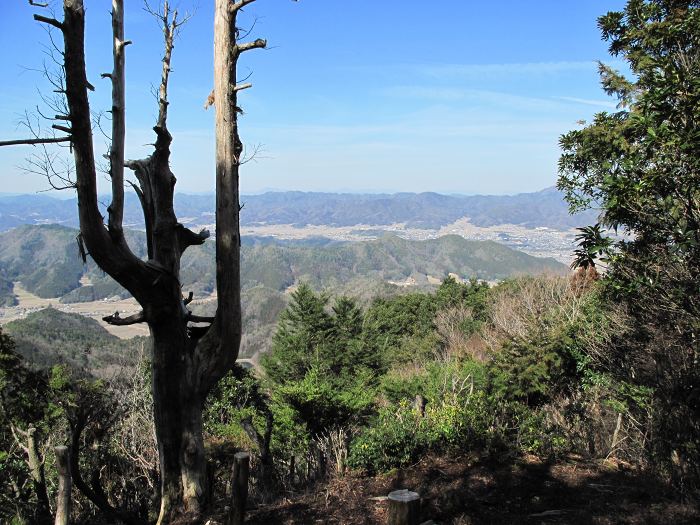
{"points": [[292, 470], [63, 497], [178, 421], [36, 468], [616, 433], [266, 463], [116, 153]]}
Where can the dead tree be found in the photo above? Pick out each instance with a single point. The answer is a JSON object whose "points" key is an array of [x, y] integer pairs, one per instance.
{"points": [[190, 353], [27, 441]]}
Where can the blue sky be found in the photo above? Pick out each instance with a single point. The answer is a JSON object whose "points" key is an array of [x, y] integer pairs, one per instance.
{"points": [[453, 96]]}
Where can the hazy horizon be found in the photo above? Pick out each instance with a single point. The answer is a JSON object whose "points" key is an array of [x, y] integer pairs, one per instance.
{"points": [[70, 194]]}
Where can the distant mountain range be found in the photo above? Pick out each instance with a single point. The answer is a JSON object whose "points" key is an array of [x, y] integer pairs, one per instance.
{"points": [[46, 260], [545, 208]]}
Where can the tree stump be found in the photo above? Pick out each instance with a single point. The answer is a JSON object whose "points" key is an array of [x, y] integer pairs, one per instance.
{"points": [[63, 501], [239, 488], [404, 508]]}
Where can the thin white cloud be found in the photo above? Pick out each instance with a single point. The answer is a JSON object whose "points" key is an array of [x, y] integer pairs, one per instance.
{"points": [[512, 103], [434, 93], [590, 102], [503, 70], [486, 72]]}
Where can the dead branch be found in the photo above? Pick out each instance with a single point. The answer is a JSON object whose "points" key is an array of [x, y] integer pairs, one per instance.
{"points": [[58, 127], [116, 320], [249, 156], [52, 166], [240, 5], [255, 44], [187, 237], [51, 21], [171, 28], [169, 32], [33, 142]]}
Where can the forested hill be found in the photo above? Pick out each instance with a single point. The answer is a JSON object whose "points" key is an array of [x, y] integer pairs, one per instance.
{"points": [[46, 260], [48, 337], [545, 208]]}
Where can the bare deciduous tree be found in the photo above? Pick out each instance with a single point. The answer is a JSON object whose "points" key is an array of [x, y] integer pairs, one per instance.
{"points": [[190, 353]]}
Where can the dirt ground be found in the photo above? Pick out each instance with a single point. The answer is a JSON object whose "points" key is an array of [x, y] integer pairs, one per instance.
{"points": [[469, 491]]}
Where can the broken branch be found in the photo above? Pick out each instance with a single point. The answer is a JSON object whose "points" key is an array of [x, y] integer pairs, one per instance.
{"points": [[50, 21], [62, 128], [256, 44], [187, 237], [240, 5], [32, 142], [116, 320]]}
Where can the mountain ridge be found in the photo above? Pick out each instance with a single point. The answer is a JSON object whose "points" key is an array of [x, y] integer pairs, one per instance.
{"points": [[46, 260], [545, 208]]}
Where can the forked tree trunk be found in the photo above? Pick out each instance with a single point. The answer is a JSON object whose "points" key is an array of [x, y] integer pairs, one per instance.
{"points": [[188, 358]]}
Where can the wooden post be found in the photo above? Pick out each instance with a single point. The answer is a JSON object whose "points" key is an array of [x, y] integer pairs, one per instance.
{"points": [[404, 508], [63, 501], [239, 488]]}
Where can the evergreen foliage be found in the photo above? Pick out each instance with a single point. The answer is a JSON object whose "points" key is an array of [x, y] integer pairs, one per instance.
{"points": [[640, 165], [23, 405], [319, 365]]}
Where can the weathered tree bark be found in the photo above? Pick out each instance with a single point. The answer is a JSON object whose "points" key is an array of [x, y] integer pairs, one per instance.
{"points": [[63, 496], [239, 488], [187, 360], [116, 153]]}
